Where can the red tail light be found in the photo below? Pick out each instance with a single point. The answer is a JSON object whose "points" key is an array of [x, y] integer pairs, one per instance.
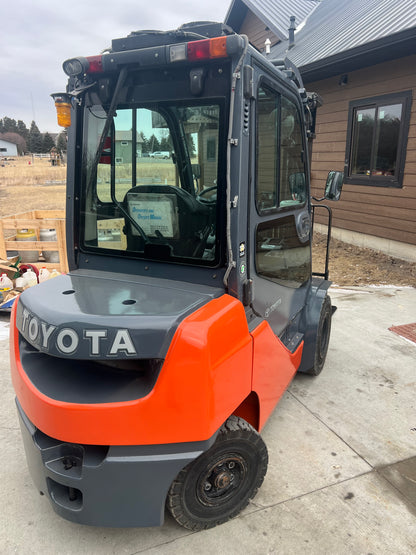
{"points": [[207, 49], [95, 64]]}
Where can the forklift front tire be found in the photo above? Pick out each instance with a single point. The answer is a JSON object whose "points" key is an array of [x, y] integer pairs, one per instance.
{"points": [[217, 485]]}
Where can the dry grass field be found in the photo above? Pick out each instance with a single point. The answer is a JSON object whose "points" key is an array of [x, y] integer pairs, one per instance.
{"points": [[27, 184], [39, 186]]}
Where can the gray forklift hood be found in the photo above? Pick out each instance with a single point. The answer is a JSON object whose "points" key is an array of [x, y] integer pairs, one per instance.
{"points": [[86, 315]]}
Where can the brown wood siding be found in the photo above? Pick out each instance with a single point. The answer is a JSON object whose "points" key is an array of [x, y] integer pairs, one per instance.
{"points": [[386, 212], [257, 31]]}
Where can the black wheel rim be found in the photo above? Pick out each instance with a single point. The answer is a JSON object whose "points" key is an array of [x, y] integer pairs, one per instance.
{"points": [[222, 480]]}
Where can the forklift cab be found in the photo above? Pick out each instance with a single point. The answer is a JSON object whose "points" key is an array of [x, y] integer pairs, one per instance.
{"points": [[244, 223]]}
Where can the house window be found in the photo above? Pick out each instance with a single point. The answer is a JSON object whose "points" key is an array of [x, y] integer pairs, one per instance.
{"points": [[211, 150], [376, 140]]}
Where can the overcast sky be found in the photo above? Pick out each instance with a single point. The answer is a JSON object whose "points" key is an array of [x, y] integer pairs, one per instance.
{"points": [[38, 35]]}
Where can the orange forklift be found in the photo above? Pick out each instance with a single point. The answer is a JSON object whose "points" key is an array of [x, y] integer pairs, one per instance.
{"points": [[144, 376]]}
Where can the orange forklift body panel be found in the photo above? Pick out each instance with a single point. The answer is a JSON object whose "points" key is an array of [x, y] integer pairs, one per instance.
{"points": [[212, 365]]}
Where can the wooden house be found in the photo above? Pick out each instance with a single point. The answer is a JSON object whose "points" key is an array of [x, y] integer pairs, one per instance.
{"points": [[360, 56]]}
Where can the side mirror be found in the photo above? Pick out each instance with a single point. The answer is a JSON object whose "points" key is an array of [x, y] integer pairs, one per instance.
{"points": [[333, 185]]}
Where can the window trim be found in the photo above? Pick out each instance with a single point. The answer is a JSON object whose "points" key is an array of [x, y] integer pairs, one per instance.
{"points": [[281, 92], [405, 98]]}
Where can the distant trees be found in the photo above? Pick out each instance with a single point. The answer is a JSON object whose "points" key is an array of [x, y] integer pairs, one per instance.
{"points": [[61, 143], [154, 144], [29, 140], [47, 143]]}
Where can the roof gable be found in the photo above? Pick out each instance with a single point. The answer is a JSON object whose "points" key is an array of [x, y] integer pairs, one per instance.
{"points": [[339, 27], [274, 13]]}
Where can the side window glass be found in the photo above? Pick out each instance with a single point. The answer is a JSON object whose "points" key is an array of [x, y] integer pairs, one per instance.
{"points": [[292, 166], [267, 149], [281, 179], [280, 255]]}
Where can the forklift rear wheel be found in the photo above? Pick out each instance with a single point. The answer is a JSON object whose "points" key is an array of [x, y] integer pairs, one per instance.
{"points": [[217, 485], [322, 337]]}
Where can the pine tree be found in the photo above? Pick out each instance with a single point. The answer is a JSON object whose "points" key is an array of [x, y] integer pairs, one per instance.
{"points": [[47, 143], [191, 145], [9, 125], [35, 139], [22, 129], [166, 143], [154, 144], [61, 143]]}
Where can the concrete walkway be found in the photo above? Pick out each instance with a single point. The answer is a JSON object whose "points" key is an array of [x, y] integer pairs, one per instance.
{"points": [[342, 450]]}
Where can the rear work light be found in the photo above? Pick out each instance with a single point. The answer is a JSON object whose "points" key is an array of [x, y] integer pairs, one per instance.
{"points": [[81, 65], [206, 49]]}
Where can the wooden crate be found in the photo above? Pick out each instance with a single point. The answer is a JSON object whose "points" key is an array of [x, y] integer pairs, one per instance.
{"points": [[111, 234], [37, 219]]}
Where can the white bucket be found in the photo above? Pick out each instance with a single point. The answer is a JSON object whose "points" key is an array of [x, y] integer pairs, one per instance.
{"points": [[49, 235], [27, 235]]}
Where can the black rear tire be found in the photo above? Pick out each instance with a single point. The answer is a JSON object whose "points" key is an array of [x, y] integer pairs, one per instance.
{"points": [[217, 485], [322, 337]]}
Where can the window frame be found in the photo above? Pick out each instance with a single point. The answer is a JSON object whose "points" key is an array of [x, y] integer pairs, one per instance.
{"points": [[161, 107], [404, 98], [281, 93]]}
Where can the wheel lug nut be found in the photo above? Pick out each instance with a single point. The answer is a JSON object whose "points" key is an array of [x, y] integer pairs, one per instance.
{"points": [[231, 464], [207, 486]]}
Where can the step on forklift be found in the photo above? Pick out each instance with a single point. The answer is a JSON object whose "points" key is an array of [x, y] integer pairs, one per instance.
{"points": [[144, 376]]}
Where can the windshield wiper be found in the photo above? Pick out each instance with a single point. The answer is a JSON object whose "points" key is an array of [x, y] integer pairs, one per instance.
{"points": [[110, 115]]}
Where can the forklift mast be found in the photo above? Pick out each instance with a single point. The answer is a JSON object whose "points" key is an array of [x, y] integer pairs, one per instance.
{"points": [[144, 376]]}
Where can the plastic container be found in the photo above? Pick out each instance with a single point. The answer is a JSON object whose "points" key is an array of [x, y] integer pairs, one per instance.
{"points": [[20, 284], [30, 278], [44, 274], [27, 235], [54, 273], [6, 283], [49, 235]]}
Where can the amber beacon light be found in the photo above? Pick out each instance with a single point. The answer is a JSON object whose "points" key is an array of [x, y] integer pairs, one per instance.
{"points": [[63, 108]]}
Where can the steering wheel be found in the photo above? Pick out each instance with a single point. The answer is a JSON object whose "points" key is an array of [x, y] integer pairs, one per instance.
{"points": [[204, 192]]}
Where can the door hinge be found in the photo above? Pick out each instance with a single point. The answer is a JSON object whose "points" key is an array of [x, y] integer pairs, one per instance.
{"points": [[248, 287]]}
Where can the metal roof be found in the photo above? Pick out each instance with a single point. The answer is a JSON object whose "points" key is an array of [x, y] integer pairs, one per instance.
{"points": [[276, 13], [339, 26]]}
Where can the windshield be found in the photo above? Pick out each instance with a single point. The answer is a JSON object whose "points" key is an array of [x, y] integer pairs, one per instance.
{"points": [[153, 193]]}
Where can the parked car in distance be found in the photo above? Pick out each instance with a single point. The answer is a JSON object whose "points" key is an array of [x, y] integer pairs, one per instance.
{"points": [[165, 154]]}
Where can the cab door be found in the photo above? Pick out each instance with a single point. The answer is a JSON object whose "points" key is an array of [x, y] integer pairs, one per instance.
{"points": [[279, 211]]}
